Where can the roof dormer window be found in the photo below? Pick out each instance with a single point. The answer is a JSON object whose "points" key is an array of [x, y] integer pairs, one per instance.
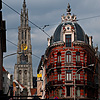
{"points": [[68, 40]]}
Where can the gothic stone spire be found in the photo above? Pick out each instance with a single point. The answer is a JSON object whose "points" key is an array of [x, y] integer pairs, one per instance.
{"points": [[24, 6], [24, 15]]}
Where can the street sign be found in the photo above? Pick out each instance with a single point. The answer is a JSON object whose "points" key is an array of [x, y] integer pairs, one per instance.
{"points": [[56, 98], [39, 75]]}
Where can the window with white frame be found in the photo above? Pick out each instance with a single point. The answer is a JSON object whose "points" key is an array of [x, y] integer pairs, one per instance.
{"points": [[59, 76], [77, 76], [77, 56], [78, 91], [68, 76], [60, 93], [68, 56], [58, 57]]}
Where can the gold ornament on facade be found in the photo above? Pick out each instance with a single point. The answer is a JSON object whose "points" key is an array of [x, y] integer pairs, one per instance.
{"points": [[24, 47]]}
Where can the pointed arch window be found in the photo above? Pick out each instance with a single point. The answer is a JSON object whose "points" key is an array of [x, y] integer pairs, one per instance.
{"points": [[25, 21], [22, 42], [25, 34], [22, 35], [68, 56], [26, 58], [25, 42], [59, 57]]}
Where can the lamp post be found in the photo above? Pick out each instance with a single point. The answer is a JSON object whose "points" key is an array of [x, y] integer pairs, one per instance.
{"points": [[75, 78]]}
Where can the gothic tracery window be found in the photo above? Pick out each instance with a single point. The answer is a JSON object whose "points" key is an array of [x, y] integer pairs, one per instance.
{"points": [[22, 34], [25, 34]]}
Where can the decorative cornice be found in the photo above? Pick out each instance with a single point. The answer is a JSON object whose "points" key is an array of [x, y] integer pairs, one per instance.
{"points": [[83, 44], [55, 44]]}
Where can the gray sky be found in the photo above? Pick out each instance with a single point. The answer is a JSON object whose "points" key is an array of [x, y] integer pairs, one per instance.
{"points": [[44, 12]]}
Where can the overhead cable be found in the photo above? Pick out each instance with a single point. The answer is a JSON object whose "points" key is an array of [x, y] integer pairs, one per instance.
{"points": [[88, 17], [28, 19], [16, 45]]}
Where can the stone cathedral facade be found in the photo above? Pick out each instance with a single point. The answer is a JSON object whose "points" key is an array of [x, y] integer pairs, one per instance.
{"points": [[23, 73]]}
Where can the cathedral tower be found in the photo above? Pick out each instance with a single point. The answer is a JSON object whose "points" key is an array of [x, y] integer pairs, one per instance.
{"points": [[23, 73]]}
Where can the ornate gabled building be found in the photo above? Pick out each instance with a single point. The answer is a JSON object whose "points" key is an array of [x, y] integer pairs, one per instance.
{"points": [[23, 69], [70, 64]]}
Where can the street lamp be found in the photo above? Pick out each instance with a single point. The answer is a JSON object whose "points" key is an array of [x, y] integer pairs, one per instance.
{"points": [[75, 78]]}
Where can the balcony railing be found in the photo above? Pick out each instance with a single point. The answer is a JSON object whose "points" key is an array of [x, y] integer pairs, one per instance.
{"points": [[51, 83], [69, 64], [78, 63], [59, 82], [49, 67]]}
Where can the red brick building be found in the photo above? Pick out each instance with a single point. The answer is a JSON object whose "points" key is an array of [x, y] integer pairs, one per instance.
{"points": [[70, 63]]}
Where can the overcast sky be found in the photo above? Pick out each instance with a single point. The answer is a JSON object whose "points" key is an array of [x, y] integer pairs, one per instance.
{"points": [[47, 12]]}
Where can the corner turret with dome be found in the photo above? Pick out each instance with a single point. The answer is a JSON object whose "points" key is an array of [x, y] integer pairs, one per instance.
{"points": [[69, 65], [69, 28]]}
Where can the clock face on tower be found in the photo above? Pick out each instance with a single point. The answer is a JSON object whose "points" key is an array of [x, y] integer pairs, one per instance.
{"points": [[24, 47]]}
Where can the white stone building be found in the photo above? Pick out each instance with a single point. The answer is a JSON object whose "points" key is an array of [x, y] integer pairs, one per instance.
{"points": [[7, 82]]}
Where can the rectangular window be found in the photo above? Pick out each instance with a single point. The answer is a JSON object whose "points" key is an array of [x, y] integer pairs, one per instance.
{"points": [[59, 58], [59, 77], [77, 76], [68, 40], [69, 78], [78, 91], [60, 93], [68, 91], [77, 56]]}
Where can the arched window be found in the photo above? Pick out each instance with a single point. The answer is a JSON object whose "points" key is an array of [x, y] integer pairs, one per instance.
{"points": [[20, 71], [26, 58], [25, 77], [68, 56], [25, 71], [20, 76], [68, 40], [77, 56], [25, 42], [84, 59], [58, 57], [53, 57], [22, 42], [22, 34], [25, 34]]}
